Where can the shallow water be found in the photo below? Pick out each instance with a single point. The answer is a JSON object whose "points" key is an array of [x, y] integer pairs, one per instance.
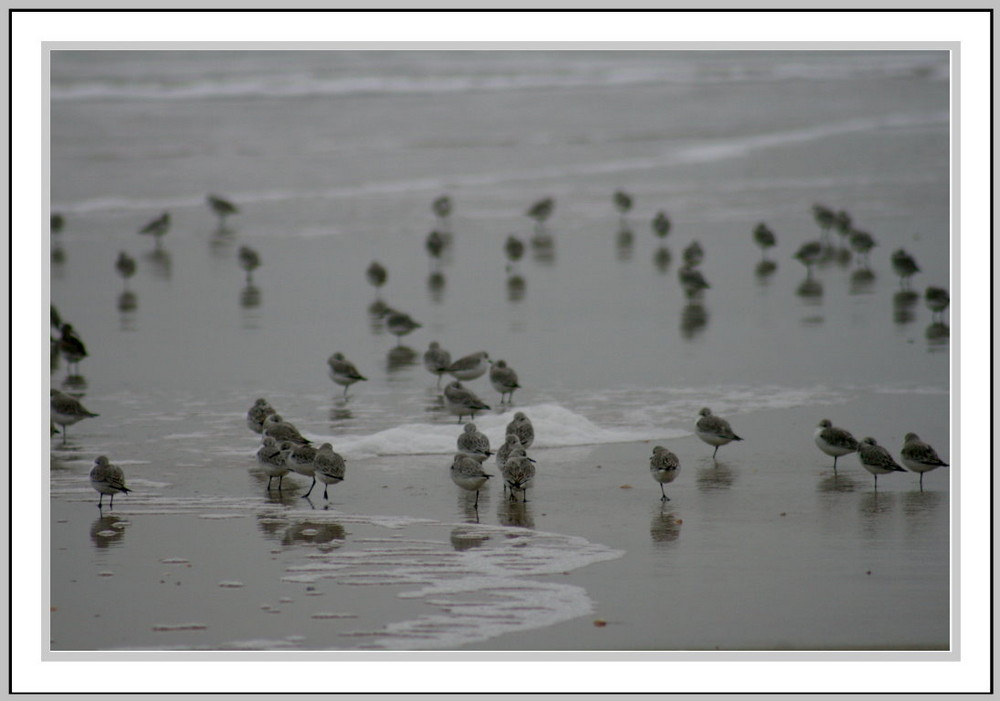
{"points": [[334, 159]]}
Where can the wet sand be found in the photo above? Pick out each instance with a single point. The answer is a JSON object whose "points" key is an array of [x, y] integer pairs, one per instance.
{"points": [[762, 550]]}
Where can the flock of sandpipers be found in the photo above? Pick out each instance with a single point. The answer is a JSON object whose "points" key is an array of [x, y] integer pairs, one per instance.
{"points": [[283, 449]]}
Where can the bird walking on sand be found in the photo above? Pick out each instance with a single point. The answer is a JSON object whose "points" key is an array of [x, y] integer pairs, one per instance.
{"points": [[714, 430], [905, 266], [764, 238], [919, 456], [521, 427], [664, 467], [504, 380], [222, 208], [876, 459], [834, 441], [342, 371], [661, 224], [329, 466], [470, 367], [125, 266], [473, 442], [157, 227], [461, 401], [249, 261], [107, 479], [467, 472], [437, 360], [376, 274], [400, 324], [66, 410]]}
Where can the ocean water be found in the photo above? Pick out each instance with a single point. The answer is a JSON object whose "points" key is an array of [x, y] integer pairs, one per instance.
{"points": [[333, 159]]}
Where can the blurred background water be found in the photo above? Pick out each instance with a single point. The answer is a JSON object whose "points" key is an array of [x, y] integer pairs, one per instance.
{"points": [[334, 158]]}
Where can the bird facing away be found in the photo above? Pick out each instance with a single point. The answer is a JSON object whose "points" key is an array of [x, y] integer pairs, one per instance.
{"points": [[474, 443], [66, 410], [503, 379], [876, 459], [522, 427], [511, 443], [461, 401], [56, 223], [714, 430], [834, 441], [513, 248], [467, 472], [692, 281], [249, 261], [437, 360], [107, 479], [664, 467], [919, 456], [342, 371], [435, 244], [329, 466]]}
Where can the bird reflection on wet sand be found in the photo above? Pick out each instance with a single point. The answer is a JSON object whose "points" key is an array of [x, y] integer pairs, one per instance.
{"points": [[810, 290], [160, 263], [837, 483], [515, 513], [465, 538], [128, 302], [515, 288], [720, 476], [862, 281], [400, 357], [665, 526], [435, 286], [623, 243], [764, 270], [662, 258], [903, 302], [313, 533], [694, 319], [107, 531], [938, 334]]}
